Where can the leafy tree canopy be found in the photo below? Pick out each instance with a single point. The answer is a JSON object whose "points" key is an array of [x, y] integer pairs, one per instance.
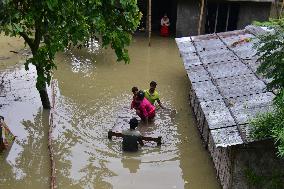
{"points": [[270, 48], [49, 26]]}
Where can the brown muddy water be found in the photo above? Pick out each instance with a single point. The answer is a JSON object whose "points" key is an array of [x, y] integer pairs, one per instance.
{"points": [[90, 89]]}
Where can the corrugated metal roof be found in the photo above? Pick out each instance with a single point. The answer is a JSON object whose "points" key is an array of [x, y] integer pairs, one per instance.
{"points": [[222, 70]]}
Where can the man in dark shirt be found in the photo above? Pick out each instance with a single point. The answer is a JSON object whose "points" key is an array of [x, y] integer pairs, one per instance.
{"points": [[131, 137]]}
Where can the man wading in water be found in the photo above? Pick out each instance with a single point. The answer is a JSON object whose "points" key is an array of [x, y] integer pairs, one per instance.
{"points": [[131, 137]]}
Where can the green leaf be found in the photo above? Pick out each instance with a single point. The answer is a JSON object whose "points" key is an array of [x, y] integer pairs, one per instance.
{"points": [[69, 22]]}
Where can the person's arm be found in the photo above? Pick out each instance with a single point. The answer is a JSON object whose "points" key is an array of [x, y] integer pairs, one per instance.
{"points": [[4, 139], [3, 132], [132, 104], [1, 138], [160, 104], [168, 22]]}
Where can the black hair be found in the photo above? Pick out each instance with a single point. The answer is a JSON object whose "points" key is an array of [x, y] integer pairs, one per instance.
{"points": [[153, 83], [1, 117], [134, 89], [140, 95], [133, 123]]}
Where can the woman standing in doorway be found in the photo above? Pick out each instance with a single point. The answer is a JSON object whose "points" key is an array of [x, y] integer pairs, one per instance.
{"points": [[165, 23]]}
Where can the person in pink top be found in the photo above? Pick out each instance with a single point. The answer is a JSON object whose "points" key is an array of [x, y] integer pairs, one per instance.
{"points": [[145, 110]]}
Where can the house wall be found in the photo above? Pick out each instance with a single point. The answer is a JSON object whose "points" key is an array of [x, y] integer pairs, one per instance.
{"points": [[232, 164], [188, 12], [258, 158], [251, 11], [187, 18]]}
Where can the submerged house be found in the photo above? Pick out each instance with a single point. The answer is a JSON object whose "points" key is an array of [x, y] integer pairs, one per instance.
{"points": [[225, 93], [218, 15]]}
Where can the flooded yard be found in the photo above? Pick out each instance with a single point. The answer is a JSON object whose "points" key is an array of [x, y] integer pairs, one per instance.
{"points": [[90, 90]]}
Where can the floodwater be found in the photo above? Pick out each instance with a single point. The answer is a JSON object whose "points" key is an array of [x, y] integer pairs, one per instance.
{"points": [[91, 89]]}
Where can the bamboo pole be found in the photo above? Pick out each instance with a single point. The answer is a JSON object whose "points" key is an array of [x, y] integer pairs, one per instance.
{"points": [[281, 10], [149, 21], [228, 15], [200, 17], [50, 146], [216, 19]]}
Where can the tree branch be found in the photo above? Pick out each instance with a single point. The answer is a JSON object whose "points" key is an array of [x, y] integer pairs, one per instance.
{"points": [[28, 40]]}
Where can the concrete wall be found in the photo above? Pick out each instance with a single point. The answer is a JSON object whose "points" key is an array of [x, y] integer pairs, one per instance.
{"points": [[251, 11], [187, 18], [231, 163], [258, 157]]}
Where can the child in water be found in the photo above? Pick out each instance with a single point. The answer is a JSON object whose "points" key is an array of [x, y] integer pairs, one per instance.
{"points": [[134, 103], [145, 110]]}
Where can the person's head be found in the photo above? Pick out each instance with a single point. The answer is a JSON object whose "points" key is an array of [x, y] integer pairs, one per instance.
{"points": [[1, 120], [165, 15], [133, 123], [140, 95], [153, 85], [134, 90]]}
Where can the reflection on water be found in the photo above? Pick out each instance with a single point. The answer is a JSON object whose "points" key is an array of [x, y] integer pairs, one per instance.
{"points": [[131, 163], [91, 91], [27, 163], [82, 61]]}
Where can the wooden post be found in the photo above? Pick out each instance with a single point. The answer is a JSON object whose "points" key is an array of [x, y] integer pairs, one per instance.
{"points": [[216, 18], [228, 15], [281, 10], [149, 22], [158, 139], [200, 17]]}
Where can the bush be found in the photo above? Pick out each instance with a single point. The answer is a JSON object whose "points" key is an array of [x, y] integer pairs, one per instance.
{"points": [[271, 125], [270, 49]]}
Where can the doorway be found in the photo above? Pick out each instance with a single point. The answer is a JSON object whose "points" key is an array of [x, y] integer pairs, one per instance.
{"points": [[159, 8], [221, 17]]}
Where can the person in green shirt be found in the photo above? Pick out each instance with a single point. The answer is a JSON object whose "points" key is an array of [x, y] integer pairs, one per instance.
{"points": [[152, 95]]}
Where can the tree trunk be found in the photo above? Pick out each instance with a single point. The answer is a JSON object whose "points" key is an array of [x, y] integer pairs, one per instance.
{"points": [[44, 98], [34, 45]]}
